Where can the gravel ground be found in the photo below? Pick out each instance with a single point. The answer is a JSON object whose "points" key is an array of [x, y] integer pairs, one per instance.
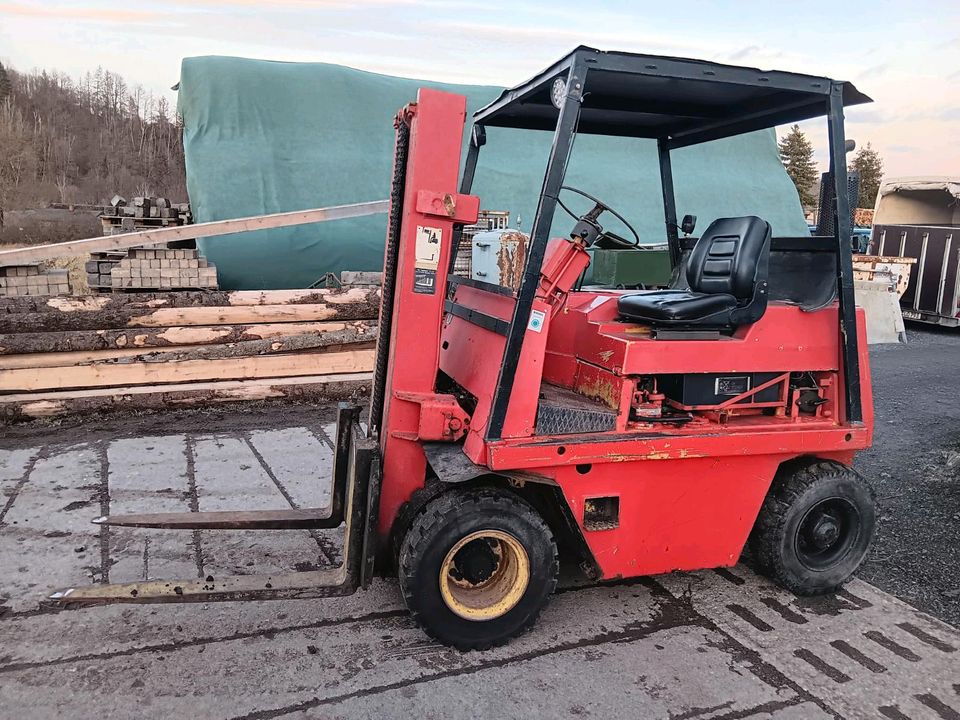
{"points": [[915, 467]]}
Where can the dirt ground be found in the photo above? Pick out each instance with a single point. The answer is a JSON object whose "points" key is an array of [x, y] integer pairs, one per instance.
{"points": [[47, 225]]}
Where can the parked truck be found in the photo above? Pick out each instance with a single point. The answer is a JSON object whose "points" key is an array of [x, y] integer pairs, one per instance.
{"points": [[919, 217]]}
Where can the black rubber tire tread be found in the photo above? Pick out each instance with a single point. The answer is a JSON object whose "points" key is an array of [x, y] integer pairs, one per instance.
{"points": [[795, 484], [445, 520]]}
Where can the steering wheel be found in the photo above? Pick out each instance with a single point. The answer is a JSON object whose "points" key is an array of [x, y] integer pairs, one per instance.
{"points": [[590, 230]]}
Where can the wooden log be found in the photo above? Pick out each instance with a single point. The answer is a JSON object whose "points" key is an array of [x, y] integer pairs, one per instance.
{"points": [[210, 298], [330, 341], [69, 359], [30, 406], [110, 375], [63, 342], [305, 342], [136, 317], [189, 232], [105, 340]]}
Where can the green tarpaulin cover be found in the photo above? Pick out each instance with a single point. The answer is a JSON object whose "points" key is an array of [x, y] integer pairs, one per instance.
{"points": [[263, 137]]}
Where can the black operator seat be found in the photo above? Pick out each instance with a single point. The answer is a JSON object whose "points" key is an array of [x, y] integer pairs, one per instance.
{"points": [[727, 275]]}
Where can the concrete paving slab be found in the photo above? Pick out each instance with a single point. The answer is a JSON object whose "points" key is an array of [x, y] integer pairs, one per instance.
{"points": [[46, 540], [713, 644], [149, 475], [323, 665], [862, 649], [13, 463], [301, 464], [227, 475], [652, 680]]}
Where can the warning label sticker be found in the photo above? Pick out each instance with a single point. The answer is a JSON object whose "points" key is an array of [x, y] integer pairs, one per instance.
{"points": [[427, 259], [429, 240]]}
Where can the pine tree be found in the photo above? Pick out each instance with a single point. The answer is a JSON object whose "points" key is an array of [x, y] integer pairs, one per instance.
{"points": [[4, 83], [796, 154], [868, 163]]}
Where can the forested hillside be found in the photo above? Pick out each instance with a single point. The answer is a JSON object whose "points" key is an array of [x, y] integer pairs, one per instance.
{"points": [[83, 140]]}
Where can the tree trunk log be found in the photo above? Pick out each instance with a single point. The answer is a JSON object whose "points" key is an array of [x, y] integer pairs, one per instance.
{"points": [[138, 316], [159, 337], [296, 343], [20, 408], [111, 302]]}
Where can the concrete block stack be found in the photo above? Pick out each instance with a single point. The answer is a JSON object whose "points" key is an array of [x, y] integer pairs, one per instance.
{"points": [[144, 214], [25, 280], [99, 268], [163, 269]]}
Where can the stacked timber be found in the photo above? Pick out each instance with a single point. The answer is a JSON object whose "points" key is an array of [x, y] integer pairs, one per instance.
{"points": [[76, 355]]}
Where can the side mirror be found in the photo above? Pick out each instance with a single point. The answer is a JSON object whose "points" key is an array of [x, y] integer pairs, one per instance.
{"points": [[688, 224]]}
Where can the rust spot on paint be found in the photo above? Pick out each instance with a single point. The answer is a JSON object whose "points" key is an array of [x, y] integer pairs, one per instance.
{"points": [[511, 258], [606, 392], [450, 204]]}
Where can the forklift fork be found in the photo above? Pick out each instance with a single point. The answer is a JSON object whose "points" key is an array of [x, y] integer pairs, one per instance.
{"points": [[356, 499]]}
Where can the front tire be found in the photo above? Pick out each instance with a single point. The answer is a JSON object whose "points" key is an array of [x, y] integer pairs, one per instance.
{"points": [[477, 567], [814, 528]]}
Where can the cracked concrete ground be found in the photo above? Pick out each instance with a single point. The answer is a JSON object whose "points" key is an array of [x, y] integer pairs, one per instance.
{"points": [[712, 644]]}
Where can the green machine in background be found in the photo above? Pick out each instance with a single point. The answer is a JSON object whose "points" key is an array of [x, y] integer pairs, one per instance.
{"points": [[643, 267]]}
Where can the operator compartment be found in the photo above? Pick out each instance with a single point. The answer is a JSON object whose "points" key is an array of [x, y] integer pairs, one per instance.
{"points": [[672, 361]]}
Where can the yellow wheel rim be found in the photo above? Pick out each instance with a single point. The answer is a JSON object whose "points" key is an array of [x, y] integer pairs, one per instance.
{"points": [[484, 575]]}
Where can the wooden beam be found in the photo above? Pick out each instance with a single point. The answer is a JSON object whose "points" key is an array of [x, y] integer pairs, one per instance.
{"points": [[137, 317], [34, 379], [40, 344], [37, 253], [211, 298], [306, 342], [29, 406], [80, 357]]}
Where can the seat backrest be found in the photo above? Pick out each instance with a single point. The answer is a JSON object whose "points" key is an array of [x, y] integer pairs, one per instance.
{"points": [[731, 257]]}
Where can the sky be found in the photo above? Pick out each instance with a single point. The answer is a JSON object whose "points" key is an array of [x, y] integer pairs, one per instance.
{"points": [[905, 55]]}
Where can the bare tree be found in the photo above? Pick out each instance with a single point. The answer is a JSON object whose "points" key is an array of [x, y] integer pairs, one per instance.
{"points": [[86, 140]]}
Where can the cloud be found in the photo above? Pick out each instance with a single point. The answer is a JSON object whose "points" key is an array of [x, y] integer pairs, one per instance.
{"points": [[902, 148], [570, 37], [867, 117], [948, 113], [744, 52], [320, 4], [873, 71], [82, 14]]}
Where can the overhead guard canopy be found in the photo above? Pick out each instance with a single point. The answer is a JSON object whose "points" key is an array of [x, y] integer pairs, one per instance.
{"points": [[682, 100]]}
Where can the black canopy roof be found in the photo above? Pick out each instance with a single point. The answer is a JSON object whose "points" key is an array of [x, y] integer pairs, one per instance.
{"points": [[649, 96]]}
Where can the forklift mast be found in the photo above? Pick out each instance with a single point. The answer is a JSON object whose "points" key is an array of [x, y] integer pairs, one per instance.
{"points": [[405, 410]]}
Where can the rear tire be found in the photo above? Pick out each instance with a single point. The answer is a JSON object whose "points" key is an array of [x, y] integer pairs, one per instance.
{"points": [[814, 528], [476, 567]]}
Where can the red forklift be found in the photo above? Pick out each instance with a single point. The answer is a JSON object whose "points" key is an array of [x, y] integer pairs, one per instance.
{"points": [[632, 433]]}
